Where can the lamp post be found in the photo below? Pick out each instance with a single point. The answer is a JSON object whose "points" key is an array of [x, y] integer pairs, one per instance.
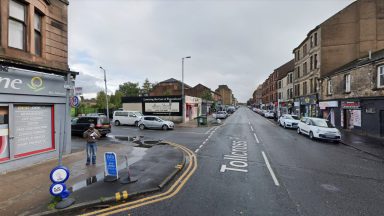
{"points": [[182, 86], [106, 91]]}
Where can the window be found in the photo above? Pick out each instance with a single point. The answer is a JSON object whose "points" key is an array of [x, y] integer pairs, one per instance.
{"points": [[305, 68], [311, 63], [315, 62], [297, 90], [315, 39], [37, 27], [305, 50], [298, 72], [304, 88], [311, 41], [279, 95], [380, 76], [347, 82], [16, 25], [329, 87], [279, 84], [310, 85], [4, 145], [298, 54], [290, 78]]}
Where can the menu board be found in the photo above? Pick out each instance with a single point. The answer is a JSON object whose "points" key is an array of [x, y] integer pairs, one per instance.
{"points": [[33, 129]]}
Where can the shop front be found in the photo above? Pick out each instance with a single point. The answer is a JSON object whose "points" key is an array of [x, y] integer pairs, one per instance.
{"points": [[32, 124], [328, 110], [193, 108], [309, 106], [350, 114]]}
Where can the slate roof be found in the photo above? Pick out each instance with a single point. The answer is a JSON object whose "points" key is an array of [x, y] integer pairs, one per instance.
{"points": [[172, 80]]}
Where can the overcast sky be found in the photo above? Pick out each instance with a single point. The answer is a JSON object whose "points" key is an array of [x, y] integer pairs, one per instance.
{"points": [[233, 42]]}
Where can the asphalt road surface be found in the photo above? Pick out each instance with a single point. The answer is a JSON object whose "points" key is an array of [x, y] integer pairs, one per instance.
{"points": [[251, 166]]}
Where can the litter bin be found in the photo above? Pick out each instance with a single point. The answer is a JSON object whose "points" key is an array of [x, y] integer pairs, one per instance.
{"points": [[201, 120]]}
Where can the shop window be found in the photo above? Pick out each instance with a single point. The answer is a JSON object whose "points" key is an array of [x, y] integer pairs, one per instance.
{"points": [[16, 25], [38, 40], [4, 144], [380, 77]]}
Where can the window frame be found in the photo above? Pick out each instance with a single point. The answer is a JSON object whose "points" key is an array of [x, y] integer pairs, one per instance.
{"points": [[38, 32], [23, 22], [329, 87], [380, 72], [347, 83]]}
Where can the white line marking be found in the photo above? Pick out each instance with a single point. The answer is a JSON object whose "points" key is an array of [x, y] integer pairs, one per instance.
{"points": [[200, 146], [197, 150], [206, 140], [257, 140], [252, 128], [204, 143], [249, 123], [270, 169]]}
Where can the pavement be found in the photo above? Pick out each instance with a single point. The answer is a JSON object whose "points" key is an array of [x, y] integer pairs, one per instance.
{"points": [[193, 123], [153, 165]]}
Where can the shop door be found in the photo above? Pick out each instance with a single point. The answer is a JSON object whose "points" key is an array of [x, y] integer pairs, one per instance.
{"points": [[346, 118], [382, 123]]}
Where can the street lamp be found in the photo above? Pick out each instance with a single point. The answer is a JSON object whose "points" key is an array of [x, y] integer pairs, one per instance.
{"points": [[182, 86], [106, 91]]}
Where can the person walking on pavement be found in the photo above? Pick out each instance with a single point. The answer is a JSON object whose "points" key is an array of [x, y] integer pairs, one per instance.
{"points": [[92, 135]]}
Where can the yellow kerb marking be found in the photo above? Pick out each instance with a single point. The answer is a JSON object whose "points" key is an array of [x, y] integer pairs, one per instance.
{"points": [[125, 195], [118, 196]]}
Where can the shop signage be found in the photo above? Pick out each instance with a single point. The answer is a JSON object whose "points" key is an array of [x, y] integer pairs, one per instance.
{"points": [[325, 104], [161, 106], [350, 104], [110, 162], [26, 82]]}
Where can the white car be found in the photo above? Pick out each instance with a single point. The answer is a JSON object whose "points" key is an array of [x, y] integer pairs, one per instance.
{"points": [[318, 128], [289, 121], [123, 117], [221, 115], [154, 122], [269, 114]]}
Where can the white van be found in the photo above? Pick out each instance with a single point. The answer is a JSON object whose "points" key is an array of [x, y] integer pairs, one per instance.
{"points": [[124, 117]]}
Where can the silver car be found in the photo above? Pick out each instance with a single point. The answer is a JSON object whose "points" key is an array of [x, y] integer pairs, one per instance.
{"points": [[154, 122]]}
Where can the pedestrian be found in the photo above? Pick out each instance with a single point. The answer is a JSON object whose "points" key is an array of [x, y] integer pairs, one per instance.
{"points": [[92, 135]]}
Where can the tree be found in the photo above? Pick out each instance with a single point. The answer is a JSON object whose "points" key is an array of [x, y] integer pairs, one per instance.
{"points": [[207, 95], [129, 89], [100, 100], [147, 87], [116, 99]]}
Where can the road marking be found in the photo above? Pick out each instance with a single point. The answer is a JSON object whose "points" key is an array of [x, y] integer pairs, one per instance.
{"points": [[197, 150], [249, 123], [270, 169], [252, 128], [206, 140], [201, 146], [237, 158], [204, 143], [257, 140]]}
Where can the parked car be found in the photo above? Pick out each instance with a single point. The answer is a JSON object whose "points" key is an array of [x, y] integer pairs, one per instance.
{"points": [[269, 114], [81, 124], [318, 128], [154, 122], [221, 115], [126, 117], [95, 114], [231, 110], [290, 121]]}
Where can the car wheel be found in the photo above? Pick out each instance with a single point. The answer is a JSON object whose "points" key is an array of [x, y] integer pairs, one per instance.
{"points": [[311, 135], [165, 127], [298, 131], [142, 127], [117, 123], [284, 126]]}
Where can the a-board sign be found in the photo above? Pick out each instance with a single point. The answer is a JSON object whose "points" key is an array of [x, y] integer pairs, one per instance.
{"points": [[57, 189], [59, 174], [110, 161]]}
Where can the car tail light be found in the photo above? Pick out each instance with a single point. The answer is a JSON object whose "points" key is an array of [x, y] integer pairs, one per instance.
{"points": [[99, 125]]}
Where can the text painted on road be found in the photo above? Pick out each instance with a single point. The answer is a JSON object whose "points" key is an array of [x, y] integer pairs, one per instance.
{"points": [[237, 159]]}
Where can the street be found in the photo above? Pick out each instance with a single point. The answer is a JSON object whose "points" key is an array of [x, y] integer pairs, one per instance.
{"points": [[251, 166]]}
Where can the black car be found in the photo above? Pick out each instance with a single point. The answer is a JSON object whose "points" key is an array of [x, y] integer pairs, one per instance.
{"points": [[81, 124]]}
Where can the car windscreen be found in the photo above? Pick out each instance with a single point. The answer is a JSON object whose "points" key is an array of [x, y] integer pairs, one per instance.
{"points": [[104, 120], [138, 114], [322, 123], [293, 117]]}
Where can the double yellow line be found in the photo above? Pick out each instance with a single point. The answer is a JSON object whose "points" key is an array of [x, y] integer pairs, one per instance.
{"points": [[172, 191]]}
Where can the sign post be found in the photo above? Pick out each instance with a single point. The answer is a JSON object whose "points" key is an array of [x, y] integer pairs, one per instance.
{"points": [[59, 175], [111, 172], [128, 179]]}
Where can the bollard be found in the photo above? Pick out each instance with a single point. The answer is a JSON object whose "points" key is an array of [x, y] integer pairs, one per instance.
{"points": [[128, 179]]}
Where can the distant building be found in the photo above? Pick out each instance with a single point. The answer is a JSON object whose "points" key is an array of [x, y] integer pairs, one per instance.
{"points": [[168, 87], [285, 87], [257, 96], [226, 94]]}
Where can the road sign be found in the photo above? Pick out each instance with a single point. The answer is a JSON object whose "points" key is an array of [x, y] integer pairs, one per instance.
{"points": [[74, 101], [110, 162], [59, 174], [57, 189], [78, 91]]}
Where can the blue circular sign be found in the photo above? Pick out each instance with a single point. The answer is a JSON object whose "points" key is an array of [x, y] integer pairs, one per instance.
{"points": [[57, 189], [59, 174], [74, 101]]}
